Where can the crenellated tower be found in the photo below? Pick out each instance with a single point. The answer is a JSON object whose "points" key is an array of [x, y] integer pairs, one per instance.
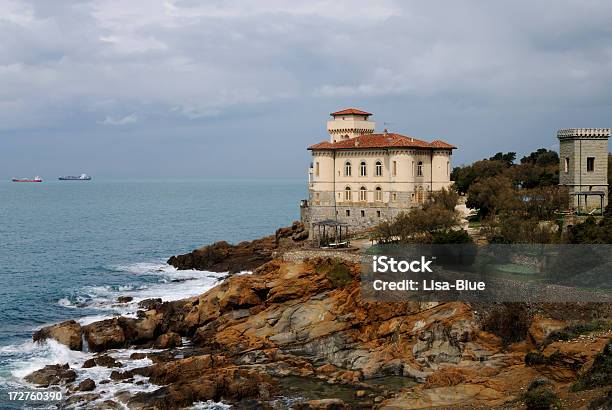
{"points": [[349, 123]]}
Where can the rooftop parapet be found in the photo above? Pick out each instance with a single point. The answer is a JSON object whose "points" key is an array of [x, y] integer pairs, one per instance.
{"points": [[584, 132]]}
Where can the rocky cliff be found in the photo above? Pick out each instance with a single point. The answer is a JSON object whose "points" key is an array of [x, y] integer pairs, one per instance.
{"points": [[297, 334], [244, 256]]}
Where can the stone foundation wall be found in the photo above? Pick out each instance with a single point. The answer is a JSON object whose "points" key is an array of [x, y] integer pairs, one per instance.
{"points": [[357, 216]]}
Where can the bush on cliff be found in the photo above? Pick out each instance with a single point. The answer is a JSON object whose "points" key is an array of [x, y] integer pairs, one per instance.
{"points": [[436, 220], [510, 322], [541, 398], [600, 374], [573, 331], [336, 271]]}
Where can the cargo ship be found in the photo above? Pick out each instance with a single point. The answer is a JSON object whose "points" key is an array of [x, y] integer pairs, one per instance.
{"points": [[82, 177], [35, 179]]}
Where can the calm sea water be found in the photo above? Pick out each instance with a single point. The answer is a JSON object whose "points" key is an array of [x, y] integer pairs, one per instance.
{"points": [[68, 249]]}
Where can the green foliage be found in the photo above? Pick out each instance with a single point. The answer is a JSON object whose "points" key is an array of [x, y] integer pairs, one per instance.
{"points": [[542, 158], [447, 237], [574, 331], [491, 194], [508, 157], [465, 176], [541, 398], [535, 357], [532, 176], [538, 169], [600, 374], [510, 322], [421, 225], [446, 198], [336, 271], [591, 231], [514, 228]]}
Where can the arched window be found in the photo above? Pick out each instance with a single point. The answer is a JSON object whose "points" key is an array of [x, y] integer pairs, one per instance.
{"points": [[378, 168], [378, 195], [362, 169], [347, 168], [420, 169], [347, 193], [363, 194]]}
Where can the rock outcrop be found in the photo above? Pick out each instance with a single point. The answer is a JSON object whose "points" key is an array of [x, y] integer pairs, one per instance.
{"points": [[245, 256], [305, 323], [53, 374], [68, 333]]}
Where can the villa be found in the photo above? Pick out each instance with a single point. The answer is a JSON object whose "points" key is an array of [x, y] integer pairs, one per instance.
{"points": [[360, 177]]}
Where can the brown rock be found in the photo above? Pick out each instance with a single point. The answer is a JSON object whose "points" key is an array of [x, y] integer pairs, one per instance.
{"points": [[87, 385], [149, 304], [223, 257], [124, 299], [109, 405], [52, 375], [168, 341], [103, 335], [68, 333], [324, 404], [81, 398], [142, 329], [102, 360], [116, 375]]}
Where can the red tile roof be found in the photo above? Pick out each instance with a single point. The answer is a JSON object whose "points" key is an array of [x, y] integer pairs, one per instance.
{"points": [[442, 144], [389, 140], [348, 111]]}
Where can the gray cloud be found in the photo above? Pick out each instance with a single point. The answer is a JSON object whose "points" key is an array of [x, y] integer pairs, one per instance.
{"points": [[128, 119], [247, 77]]}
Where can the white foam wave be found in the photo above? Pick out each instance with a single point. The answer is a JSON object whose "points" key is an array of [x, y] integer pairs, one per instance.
{"points": [[24, 358], [210, 405], [164, 281], [168, 284]]}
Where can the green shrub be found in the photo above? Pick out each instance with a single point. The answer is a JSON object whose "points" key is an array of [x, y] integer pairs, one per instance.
{"points": [[574, 331], [446, 237], [541, 398], [336, 271], [534, 358], [510, 322], [600, 374]]}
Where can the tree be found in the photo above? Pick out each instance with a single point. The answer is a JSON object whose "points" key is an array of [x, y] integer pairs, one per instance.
{"points": [[507, 158], [465, 176], [419, 225], [490, 195], [542, 158], [591, 231], [446, 198]]}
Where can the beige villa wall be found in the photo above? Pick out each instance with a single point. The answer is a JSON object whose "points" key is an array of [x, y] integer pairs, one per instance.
{"points": [[328, 175]]}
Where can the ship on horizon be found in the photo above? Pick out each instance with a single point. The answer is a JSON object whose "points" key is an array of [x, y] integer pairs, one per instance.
{"points": [[82, 177], [35, 179]]}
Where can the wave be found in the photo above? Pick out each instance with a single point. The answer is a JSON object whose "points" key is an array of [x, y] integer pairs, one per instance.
{"points": [[150, 280], [147, 280]]}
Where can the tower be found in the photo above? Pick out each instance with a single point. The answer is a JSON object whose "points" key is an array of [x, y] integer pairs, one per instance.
{"points": [[583, 168], [349, 123]]}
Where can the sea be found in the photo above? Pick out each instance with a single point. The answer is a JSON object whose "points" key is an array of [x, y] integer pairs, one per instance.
{"points": [[69, 249]]}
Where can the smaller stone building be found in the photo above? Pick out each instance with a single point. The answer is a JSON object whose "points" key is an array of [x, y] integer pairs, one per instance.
{"points": [[583, 168]]}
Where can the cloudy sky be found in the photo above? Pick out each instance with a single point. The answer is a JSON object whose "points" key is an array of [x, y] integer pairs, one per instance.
{"points": [[186, 88]]}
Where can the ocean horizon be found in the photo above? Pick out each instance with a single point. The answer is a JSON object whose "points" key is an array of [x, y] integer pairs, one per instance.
{"points": [[70, 249]]}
